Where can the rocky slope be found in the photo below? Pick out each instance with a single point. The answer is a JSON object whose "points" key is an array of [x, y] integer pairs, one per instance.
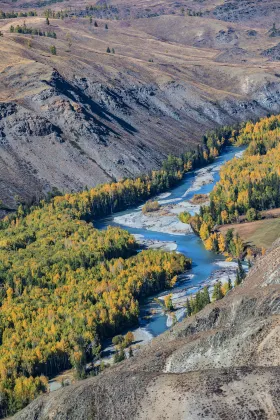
{"points": [[223, 363], [85, 116]]}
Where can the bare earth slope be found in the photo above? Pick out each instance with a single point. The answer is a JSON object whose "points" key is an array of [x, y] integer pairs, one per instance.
{"points": [[223, 363], [85, 116]]}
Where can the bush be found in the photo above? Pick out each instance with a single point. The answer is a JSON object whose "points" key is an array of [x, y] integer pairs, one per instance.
{"points": [[53, 50], [128, 339], [150, 206], [185, 217], [117, 340]]}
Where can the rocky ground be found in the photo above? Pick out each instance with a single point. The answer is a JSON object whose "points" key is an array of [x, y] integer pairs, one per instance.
{"points": [[222, 363], [86, 116]]}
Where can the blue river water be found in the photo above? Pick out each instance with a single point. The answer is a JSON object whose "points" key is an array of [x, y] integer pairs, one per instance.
{"points": [[204, 263]]}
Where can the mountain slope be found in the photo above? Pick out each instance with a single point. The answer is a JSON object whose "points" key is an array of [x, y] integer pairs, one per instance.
{"points": [[86, 116], [223, 363]]}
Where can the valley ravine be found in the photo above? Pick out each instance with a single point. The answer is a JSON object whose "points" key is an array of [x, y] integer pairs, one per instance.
{"points": [[167, 232]]}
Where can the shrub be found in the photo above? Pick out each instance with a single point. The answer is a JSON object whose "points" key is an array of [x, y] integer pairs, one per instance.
{"points": [[150, 206]]}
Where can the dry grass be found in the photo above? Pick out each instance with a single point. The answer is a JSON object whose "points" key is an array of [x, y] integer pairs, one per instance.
{"points": [[261, 233]]}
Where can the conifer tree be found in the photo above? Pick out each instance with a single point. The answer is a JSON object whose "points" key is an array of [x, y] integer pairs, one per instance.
{"points": [[206, 297], [188, 308], [217, 292]]}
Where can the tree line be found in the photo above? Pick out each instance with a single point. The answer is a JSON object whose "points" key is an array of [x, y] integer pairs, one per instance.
{"points": [[247, 186], [23, 29], [11, 15]]}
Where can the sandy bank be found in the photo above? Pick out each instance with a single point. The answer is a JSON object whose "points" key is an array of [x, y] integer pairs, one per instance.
{"points": [[156, 222], [155, 244]]}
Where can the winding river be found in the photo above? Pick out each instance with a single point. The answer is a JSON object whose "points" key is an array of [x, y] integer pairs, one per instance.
{"points": [[207, 266]]}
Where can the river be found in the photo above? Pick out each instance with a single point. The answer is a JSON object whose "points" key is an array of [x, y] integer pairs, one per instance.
{"points": [[207, 267]]}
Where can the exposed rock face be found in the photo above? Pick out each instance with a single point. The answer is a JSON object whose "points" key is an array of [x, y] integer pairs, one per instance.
{"points": [[85, 117], [223, 363]]}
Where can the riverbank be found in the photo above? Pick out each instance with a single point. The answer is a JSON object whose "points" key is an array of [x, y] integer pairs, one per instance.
{"points": [[152, 319], [162, 230]]}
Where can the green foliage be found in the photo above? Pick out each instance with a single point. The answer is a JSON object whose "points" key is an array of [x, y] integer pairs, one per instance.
{"points": [[185, 217], [53, 49], [168, 303], [217, 292], [12, 15], [119, 356], [247, 185], [118, 340], [150, 206], [23, 29], [67, 286], [251, 214], [197, 302], [59, 14]]}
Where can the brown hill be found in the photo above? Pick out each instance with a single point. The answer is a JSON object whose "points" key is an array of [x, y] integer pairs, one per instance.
{"points": [[222, 363], [85, 116]]}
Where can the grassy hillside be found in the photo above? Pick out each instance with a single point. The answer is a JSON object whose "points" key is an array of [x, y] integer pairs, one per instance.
{"points": [[260, 234]]}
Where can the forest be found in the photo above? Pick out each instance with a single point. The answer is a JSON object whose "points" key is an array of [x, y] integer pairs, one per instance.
{"points": [[65, 286], [247, 186]]}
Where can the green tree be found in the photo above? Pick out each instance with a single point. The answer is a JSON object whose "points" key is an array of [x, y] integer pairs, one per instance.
{"points": [[119, 356], [118, 340], [251, 214], [47, 21], [188, 308], [53, 49], [237, 279], [241, 270], [108, 50], [205, 296], [128, 339], [168, 303], [217, 292]]}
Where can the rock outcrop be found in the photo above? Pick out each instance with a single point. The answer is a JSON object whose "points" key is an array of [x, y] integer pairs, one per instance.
{"points": [[86, 116]]}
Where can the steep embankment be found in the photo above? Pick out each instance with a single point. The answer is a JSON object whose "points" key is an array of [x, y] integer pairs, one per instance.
{"points": [[222, 363], [86, 116]]}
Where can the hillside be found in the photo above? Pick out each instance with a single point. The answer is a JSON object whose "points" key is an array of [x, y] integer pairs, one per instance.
{"points": [[222, 363], [85, 116]]}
